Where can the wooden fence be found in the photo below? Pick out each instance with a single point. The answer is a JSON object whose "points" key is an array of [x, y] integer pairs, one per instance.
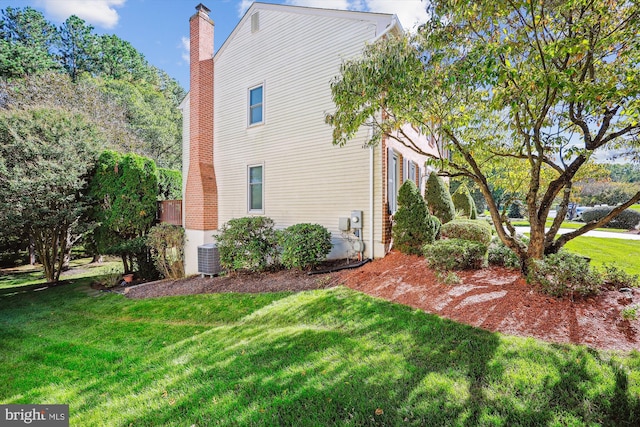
{"points": [[170, 211]]}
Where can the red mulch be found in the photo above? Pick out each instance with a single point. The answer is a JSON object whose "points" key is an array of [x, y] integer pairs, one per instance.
{"points": [[495, 298]]}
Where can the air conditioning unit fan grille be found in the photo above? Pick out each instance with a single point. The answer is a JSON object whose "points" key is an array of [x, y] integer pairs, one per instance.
{"points": [[208, 259]]}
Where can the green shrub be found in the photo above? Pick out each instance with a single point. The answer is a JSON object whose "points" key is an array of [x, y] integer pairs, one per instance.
{"points": [[247, 243], [169, 184], [463, 202], [166, 242], [500, 254], [413, 226], [304, 245], [438, 199], [616, 278], [455, 254], [564, 274], [630, 312], [516, 210], [627, 219], [467, 229]]}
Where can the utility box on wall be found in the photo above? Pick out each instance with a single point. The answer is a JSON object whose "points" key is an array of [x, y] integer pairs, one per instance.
{"points": [[356, 219], [344, 224]]}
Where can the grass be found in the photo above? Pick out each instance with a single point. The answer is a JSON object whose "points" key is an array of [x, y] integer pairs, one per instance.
{"points": [[33, 275], [625, 254], [326, 357], [572, 225]]}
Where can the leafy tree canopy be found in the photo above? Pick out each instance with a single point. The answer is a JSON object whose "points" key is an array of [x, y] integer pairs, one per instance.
{"points": [[33, 50], [45, 157], [533, 87]]}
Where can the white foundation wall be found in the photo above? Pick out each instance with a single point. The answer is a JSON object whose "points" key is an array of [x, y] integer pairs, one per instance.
{"points": [[193, 239]]}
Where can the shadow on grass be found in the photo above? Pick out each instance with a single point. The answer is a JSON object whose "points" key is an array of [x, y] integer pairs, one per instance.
{"points": [[330, 357]]}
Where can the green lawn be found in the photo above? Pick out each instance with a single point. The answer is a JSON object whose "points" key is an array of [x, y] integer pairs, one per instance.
{"points": [[572, 225], [326, 357], [625, 254], [34, 275]]}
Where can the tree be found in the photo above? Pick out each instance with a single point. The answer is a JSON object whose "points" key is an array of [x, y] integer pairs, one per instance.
{"points": [[26, 42], [124, 189], [118, 59], [45, 156], [76, 46], [438, 199], [538, 86]]}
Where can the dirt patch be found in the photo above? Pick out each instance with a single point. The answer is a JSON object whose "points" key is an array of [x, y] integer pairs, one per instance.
{"points": [[495, 298], [286, 280]]}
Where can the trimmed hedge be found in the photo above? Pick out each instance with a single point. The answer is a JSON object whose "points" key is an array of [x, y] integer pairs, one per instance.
{"points": [[467, 229], [413, 226], [304, 245], [627, 219], [438, 199], [248, 243], [455, 254], [463, 202]]}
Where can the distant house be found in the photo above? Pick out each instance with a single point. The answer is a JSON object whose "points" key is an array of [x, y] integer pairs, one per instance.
{"points": [[255, 137]]}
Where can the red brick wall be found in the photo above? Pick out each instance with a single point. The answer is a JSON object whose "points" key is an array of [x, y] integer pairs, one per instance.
{"points": [[201, 195]]}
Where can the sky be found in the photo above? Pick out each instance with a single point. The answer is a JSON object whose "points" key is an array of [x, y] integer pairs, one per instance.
{"points": [[159, 29]]}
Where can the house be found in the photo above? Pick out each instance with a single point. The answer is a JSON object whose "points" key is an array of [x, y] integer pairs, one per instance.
{"points": [[255, 137]]}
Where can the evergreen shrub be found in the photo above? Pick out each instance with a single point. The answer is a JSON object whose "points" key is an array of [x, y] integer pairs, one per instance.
{"points": [[564, 274], [455, 254], [304, 245], [500, 254], [467, 229], [248, 243], [463, 202], [438, 199], [627, 219], [413, 226]]}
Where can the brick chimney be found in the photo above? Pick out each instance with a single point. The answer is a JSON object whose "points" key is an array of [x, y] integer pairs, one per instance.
{"points": [[201, 194]]}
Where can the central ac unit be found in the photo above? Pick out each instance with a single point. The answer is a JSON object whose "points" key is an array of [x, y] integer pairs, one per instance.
{"points": [[208, 260]]}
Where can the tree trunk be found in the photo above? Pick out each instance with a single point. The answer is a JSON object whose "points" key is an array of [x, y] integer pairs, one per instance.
{"points": [[32, 252]]}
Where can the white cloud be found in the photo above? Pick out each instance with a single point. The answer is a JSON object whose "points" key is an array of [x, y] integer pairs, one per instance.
{"points": [[411, 13], [101, 13], [243, 6], [325, 4], [185, 45]]}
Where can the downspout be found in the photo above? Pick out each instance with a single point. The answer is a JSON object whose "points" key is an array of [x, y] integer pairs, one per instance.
{"points": [[371, 178]]}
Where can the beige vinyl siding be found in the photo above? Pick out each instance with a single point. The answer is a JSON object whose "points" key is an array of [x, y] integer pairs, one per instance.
{"points": [[306, 178]]}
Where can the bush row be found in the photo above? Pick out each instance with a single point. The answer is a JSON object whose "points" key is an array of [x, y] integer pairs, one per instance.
{"points": [[252, 243], [627, 219]]}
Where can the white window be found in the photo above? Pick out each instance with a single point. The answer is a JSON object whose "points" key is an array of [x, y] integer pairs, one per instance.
{"points": [[255, 188], [412, 171], [256, 104]]}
